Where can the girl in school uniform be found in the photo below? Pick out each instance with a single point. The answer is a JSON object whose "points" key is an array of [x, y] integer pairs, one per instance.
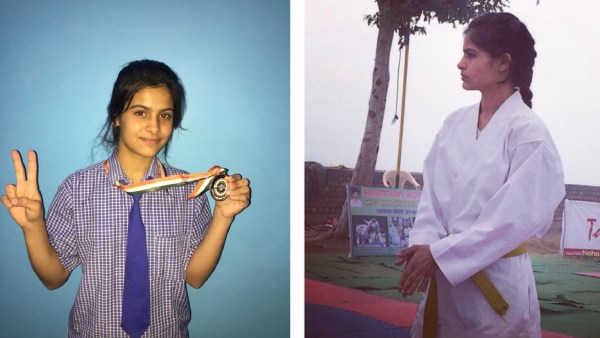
{"points": [[137, 251]]}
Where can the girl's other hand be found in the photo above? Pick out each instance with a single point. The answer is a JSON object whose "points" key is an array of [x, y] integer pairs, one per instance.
{"points": [[23, 200], [418, 270]]}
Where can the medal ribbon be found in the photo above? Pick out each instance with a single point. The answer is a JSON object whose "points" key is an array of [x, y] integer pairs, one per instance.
{"points": [[213, 178]]}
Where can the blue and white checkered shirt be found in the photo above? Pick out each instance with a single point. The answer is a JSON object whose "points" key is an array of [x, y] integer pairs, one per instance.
{"points": [[87, 225]]}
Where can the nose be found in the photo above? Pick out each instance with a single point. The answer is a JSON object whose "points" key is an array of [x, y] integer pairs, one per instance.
{"points": [[153, 126], [460, 64]]}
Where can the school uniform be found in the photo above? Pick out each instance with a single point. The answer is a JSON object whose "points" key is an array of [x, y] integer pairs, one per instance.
{"points": [[87, 225]]}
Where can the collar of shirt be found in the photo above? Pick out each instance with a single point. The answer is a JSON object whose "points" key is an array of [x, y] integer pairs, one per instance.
{"points": [[115, 172]]}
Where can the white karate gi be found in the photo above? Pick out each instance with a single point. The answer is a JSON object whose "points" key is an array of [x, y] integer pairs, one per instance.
{"points": [[482, 198]]}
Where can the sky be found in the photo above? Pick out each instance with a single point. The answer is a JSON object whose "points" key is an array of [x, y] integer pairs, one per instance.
{"points": [[339, 57]]}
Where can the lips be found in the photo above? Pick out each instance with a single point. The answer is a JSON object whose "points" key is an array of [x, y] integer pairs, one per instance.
{"points": [[150, 141]]}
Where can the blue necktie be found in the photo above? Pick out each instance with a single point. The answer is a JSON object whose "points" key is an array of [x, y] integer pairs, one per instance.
{"points": [[135, 317]]}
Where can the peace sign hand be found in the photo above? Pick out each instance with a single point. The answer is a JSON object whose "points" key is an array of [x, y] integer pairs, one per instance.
{"points": [[24, 201]]}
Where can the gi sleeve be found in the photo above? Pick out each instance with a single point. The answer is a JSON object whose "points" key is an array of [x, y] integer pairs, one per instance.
{"points": [[60, 226], [428, 226], [522, 208]]}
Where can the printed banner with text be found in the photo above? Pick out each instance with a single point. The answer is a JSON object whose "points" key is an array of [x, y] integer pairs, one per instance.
{"points": [[380, 219], [580, 229]]}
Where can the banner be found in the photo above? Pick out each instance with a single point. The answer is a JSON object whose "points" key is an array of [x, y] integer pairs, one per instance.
{"points": [[380, 219], [580, 229]]}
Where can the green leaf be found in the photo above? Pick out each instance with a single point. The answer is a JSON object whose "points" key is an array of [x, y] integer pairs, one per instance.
{"points": [[405, 15]]}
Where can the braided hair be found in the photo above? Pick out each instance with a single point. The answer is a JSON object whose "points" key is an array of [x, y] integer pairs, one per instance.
{"points": [[500, 33]]}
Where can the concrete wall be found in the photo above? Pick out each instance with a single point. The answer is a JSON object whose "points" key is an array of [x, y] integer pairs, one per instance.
{"points": [[324, 193]]}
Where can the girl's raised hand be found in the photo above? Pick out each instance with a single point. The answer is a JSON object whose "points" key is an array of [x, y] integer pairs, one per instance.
{"points": [[238, 190], [23, 200]]}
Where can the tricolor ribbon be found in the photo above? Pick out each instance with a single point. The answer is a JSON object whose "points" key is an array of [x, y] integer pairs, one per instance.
{"points": [[213, 179]]}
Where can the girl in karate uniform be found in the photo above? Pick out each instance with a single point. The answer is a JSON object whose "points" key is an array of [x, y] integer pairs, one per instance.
{"points": [[492, 180]]}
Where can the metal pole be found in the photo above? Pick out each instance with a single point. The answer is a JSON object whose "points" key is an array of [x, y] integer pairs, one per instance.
{"points": [[402, 115]]}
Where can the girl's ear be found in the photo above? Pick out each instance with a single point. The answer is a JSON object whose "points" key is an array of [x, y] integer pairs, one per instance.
{"points": [[505, 60], [117, 122]]}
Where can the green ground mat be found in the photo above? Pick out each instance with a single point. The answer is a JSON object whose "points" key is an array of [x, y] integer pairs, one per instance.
{"points": [[570, 304]]}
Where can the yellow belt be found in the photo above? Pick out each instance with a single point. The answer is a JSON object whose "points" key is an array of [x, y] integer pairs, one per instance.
{"points": [[484, 284]]}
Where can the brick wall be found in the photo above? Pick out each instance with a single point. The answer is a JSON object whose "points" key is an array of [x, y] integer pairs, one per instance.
{"points": [[325, 191]]}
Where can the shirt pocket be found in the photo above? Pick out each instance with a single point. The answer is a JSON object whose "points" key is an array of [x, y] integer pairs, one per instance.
{"points": [[168, 241], [169, 257]]}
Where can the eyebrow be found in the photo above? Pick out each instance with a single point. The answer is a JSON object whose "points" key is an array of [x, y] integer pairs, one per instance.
{"points": [[147, 108]]}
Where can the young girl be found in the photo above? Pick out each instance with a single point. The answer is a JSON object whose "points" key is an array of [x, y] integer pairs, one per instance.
{"points": [[93, 223], [492, 180]]}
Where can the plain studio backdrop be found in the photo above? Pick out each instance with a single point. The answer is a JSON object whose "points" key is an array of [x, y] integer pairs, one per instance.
{"points": [[58, 62]]}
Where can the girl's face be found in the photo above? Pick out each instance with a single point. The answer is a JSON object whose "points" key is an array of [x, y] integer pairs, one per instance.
{"points": [[479, 70], [146, 125]]}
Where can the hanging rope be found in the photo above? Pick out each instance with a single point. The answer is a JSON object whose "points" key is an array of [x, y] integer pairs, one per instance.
{"points": [[397, 87]]}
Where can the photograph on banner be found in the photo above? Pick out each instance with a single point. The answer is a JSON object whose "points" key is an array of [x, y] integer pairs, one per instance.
{"points": [[580, 229], [380, 219]]}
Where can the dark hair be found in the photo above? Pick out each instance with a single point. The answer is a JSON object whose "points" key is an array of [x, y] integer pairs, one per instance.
{"points": [[499, 33], [132, 78]]}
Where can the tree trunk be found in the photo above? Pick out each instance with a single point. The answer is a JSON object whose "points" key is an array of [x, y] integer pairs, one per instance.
{"points": [[367, 158]]}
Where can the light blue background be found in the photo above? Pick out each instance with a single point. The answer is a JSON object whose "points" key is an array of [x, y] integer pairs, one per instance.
{"points": [[58, 62]]}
